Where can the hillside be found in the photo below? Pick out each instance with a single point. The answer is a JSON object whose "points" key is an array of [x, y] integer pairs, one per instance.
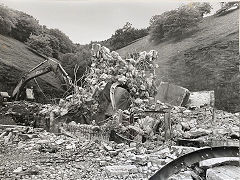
{"points": [[205, 60], [15, 60]]}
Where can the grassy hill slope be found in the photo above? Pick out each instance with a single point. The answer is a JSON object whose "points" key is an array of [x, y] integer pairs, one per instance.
{"points": [[205, 60], [15, 60]]}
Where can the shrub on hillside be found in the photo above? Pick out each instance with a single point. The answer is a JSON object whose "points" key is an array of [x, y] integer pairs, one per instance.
{"points": [[40, 43], [65, 44], [177, 22], [203, 8], [124, 36], [7, 20], [25, 26], [71, 61]]}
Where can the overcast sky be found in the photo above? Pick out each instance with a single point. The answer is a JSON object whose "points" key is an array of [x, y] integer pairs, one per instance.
{"points": [[86, 20]]}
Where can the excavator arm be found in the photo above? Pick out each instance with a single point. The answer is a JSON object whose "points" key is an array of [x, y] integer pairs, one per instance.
{"points": [[53, 66]]}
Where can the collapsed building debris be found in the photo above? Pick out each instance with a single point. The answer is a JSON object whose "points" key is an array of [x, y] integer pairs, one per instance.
{"points": [[97, 131]]}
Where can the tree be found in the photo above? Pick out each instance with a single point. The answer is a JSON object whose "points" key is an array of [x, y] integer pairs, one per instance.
{"points": [[7, 20], [65, 44], [125, 35], [71, 60], [176, 22], [25, 26], [203, 8], [40, 43]]}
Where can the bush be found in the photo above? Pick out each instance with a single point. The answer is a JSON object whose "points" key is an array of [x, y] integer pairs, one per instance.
{"points": [[177, 22], [40, 43], [7, 20], [65, 44], [72, 60], [124, 36], [203, 8], [25, 26]]}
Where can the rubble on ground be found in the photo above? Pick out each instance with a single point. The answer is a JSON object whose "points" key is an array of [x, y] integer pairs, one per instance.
{"points": [[39, 154]]}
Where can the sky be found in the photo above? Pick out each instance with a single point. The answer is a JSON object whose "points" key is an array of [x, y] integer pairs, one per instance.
{"points": [[94, 20]]}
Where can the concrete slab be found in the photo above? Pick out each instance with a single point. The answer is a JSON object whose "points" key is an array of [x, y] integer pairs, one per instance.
{"points": [[223, 173], [213, 162], [120, 170]]}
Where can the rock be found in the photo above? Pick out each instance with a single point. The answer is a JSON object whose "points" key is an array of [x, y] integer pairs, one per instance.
{"points": [[209, 163], [199, 132], [8, 138], [71, 146], [21, 145], [181, 150], [234, 135], [18, 170], [133, 144], [185, 126], [113, 153], [164, 153], [223, 173], [149, 164], [142, 150], [102, 163], [154, 168], [186, 175], [3, 134], [28, 136], [120, 170], [107, 147], [141, 159], [59, 141], [120, 146]]}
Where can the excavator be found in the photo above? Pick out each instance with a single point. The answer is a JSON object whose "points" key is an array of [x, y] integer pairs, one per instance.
{"points": [[51, 65], [48, 65]]}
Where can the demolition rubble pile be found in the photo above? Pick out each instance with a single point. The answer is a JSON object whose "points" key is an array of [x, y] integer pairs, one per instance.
{"points": [[203, 125], [83, 151], [137, 74]]}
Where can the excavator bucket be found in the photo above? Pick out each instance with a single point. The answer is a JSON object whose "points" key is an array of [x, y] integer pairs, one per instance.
{"points": [[113, 97]]}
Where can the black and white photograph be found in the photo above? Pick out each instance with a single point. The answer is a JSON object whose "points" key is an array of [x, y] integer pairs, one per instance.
{"points": [[119, 89]]}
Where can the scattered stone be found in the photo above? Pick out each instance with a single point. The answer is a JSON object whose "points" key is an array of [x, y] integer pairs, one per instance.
{"points": [[199, 132], [186, 175], [107, 147], [223, 173], [185, 126], [213, 162], [120, 170], [141, 159], [18, 170]]}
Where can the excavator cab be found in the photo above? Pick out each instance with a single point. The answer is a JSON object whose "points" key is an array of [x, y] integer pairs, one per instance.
{"points": [[4, 97], [30, 94]]}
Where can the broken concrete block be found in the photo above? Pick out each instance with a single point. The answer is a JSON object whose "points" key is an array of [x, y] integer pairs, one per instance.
{"points": [[235, 135], [199, 132], [223, 173], [201, 98], [181, 150], [120, 170], [8, 138], [18, 170], [107, 147], [209, 163], [102, 163], [172, 94], [141, 159], [185, 126], [186, 175]]}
